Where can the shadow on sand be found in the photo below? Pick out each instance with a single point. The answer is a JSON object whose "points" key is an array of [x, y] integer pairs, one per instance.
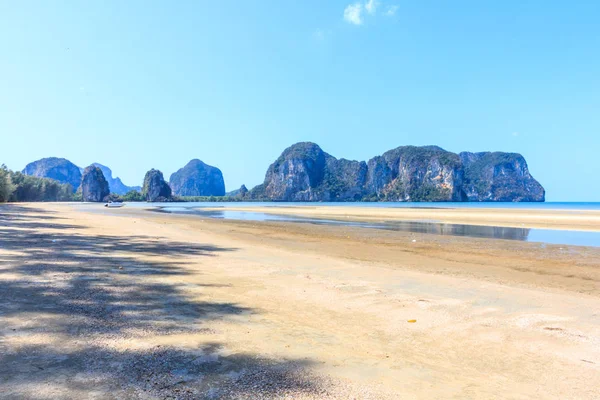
{"points": [[72, 306]]}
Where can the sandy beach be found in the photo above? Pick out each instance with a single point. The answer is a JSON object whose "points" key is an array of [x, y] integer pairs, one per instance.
{"points": [[131, 304]]}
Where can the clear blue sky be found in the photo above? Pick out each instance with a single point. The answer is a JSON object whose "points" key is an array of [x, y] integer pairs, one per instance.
{"points": [[142, 84]]}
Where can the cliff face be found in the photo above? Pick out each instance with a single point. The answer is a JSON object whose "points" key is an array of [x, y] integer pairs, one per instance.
{"points": [[344, 180], [198, 179], [499, 177], [241, 193], [115, 184], [155, 188], [421, 174], [59, 169], [304, 172], [296, 174], [94, 186]]}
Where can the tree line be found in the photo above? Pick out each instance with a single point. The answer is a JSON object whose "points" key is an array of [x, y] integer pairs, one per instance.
{"points": [[16, 186]]}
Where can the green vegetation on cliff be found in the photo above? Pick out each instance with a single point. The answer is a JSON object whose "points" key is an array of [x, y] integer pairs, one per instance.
{"points": [[301, 151], [499, 177], [155, 188], [304, 172], [94, 186]]}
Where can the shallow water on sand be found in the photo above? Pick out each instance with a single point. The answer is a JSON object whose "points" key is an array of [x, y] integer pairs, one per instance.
{"points": [[575, 206], [550, 236]]}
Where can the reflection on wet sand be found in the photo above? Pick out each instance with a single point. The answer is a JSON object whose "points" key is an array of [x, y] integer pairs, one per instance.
{"points": [[551, 236], [436, 228]]}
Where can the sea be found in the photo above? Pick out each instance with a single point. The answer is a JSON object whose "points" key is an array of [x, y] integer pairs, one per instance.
{"points": [[516, 205], [542, 236]]}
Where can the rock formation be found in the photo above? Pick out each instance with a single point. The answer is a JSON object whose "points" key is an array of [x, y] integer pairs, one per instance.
{"points": [[499, 177], [239, 193], [155, 188], [411, 173], [94, 186], [59, 169], [304, 172], [115, 184], [197, 179], [297, 175]]}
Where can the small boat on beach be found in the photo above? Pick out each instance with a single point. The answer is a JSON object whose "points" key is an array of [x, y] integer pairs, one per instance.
{"points": [[114, 204]]}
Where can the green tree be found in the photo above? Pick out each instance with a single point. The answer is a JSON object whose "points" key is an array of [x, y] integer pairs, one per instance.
{"points": [[6, 185], [31, 188], [133, 195]]}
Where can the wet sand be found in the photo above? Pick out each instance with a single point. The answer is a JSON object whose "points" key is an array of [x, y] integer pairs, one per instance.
{"points": [[517, 218], [133, 304]]}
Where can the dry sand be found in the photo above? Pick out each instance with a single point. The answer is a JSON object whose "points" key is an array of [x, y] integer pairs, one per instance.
{"points": [[132, 304]]}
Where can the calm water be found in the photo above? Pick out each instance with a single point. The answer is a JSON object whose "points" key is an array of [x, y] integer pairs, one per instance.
{"points": [[540, 206], [574, 238]]}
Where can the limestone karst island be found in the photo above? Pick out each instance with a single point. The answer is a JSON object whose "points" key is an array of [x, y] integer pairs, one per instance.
{"points": [[305, 173]]}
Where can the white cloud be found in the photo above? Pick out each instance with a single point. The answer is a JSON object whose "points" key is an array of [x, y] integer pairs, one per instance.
{"points": [[391, 11], [353, 14], [371, 6]]}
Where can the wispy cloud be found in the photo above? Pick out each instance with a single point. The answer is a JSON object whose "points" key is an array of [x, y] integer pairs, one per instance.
{"points": [[371, 6], [353, 14], [391, 11]]}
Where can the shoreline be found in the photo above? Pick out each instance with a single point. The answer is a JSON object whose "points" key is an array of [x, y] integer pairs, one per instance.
{"points": [[581, 220], [385, 246]]}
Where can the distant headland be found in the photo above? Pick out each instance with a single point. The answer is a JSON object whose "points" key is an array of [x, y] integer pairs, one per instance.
{"points": [[303, 172]]}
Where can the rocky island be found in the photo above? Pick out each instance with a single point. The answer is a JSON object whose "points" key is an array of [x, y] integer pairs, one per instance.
{"points": [[64, 171], [115, 184], [304, 172], [499, 177], [238, 193], [94, 186], [155, 188], [59, 169], [197, 179]]}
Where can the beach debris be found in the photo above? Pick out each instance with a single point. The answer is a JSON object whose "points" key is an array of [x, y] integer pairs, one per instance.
{"points": [[414, 241], [412, 321]]}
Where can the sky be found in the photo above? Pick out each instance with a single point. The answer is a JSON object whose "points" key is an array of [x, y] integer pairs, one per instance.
{"points": [[137, 85]]}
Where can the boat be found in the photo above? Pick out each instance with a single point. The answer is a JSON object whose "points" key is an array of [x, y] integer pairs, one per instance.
{"points": [[114, 204]]}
